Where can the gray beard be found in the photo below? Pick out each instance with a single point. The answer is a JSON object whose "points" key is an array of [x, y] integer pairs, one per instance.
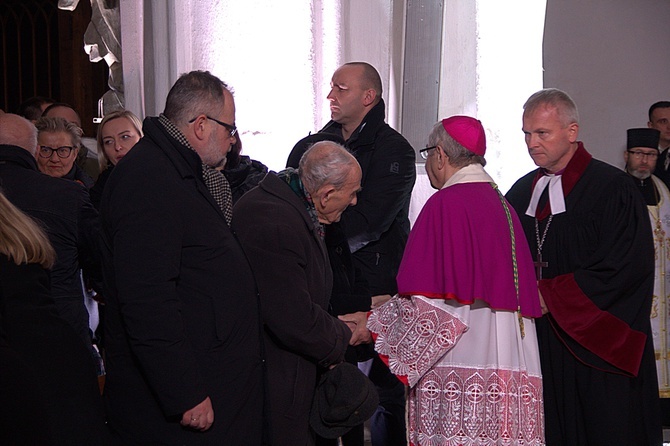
{"points": [[639, 175]]}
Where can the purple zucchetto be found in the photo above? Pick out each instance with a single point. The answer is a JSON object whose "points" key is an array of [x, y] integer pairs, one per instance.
{"points": [[468, 132]]}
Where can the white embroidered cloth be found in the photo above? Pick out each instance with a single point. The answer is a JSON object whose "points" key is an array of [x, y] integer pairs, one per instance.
{"points": [[473, 379]]}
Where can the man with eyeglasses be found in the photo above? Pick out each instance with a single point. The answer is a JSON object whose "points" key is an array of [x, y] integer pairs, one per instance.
{"points": [[182, 316], [464, 319], [641, 155]]}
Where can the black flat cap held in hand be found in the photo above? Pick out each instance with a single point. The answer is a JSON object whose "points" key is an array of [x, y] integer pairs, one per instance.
{"points": [[344, 398]]}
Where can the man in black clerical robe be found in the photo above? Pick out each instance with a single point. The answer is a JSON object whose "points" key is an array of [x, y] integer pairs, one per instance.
{"points": [[597, 276]]}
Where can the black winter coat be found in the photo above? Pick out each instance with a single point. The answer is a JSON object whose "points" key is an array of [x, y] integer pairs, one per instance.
{"points": [[182, 317], [294, 279], [67, 408], [378, 226], [67, 215]]}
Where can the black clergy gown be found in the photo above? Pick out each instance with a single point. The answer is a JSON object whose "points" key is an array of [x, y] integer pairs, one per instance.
{"points": [[595, 343]]}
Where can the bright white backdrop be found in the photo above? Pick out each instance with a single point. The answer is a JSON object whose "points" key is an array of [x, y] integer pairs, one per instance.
{"points": [[279, 57]]}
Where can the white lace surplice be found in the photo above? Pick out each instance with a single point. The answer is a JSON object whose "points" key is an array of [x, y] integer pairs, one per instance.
{"points": [[473, 379]]}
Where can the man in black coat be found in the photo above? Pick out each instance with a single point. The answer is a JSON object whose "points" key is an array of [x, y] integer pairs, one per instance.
{"points": [[43, 315], [659, 119], [377, 228], [281, 227], [65, 210], [182, 320]]}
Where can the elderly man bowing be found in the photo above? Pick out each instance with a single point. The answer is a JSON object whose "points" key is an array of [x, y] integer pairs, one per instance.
{"points": [[280, 225]]}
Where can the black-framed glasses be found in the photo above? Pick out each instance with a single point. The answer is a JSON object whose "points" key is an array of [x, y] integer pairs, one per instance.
{"points": [[231, 128], [424, 152], [638, 154], [62, 152]]}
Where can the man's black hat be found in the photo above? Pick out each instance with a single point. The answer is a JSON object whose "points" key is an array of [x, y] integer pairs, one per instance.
{"points": [[643, 137]]}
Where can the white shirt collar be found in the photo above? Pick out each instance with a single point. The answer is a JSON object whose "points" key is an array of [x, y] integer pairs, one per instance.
{"points": [[472, 173]]}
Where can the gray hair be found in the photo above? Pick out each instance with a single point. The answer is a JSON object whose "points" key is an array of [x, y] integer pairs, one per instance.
{"points": [[194, 93], [555, 98], [325, 162], [52, 125], [458, 155]]}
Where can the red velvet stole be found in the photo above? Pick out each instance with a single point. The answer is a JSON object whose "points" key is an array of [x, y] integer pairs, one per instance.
{"points": [[598, 331]]}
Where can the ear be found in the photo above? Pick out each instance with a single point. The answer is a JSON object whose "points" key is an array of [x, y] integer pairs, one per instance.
{"points": [[441, 157], [625, 156], [200, 127], [650, 125], [573, 132], [325, 193], [369, 97]]}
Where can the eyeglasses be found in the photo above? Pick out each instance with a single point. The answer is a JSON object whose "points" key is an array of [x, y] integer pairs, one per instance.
{"points": [[62, 152], [231, 128], [639, 154], [424, 152]]}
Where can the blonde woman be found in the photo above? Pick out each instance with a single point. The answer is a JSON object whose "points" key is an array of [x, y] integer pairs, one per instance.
{"points": [[118, 132], [57, 376]]}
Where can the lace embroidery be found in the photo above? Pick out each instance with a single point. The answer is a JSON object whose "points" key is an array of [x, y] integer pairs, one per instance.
{"points": [[452, 404], [467, 406], [414, 335]]}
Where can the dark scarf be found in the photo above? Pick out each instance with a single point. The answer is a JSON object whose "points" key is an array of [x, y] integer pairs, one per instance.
{"points": [[291, 177]]}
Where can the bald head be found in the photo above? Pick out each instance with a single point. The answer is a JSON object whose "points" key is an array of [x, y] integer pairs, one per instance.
{"points": [[62, 110], [368, 76], [18, 131]]}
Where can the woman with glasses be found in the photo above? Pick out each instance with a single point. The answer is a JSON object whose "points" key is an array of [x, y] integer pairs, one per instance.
{"points": [[58, 145], [118, 132]]}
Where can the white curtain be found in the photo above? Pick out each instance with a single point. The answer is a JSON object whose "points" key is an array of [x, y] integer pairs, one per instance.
{"points": [[278, 57]]}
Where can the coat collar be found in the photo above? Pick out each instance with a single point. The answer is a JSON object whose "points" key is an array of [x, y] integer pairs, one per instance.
{"points": [[273, 185], [10, 154], [186, 161], [365, 133], [572, 173]]}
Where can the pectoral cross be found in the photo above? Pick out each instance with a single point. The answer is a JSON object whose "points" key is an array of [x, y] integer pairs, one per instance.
{"points": [[539, 264]]}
